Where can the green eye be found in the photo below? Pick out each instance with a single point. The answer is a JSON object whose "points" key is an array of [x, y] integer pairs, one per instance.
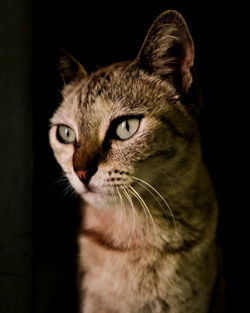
{"points": [[127, 128], [65, 134]]}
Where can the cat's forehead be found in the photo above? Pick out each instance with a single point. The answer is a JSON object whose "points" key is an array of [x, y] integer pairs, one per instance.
{"points": [[114, 92], [120, 89]]}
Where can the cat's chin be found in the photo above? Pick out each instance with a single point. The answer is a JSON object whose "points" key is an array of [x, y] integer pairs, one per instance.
{"points": [[99, 198]]}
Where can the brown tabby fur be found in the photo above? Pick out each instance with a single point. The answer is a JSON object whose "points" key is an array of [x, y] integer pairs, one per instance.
{"points": [[140, 250]]}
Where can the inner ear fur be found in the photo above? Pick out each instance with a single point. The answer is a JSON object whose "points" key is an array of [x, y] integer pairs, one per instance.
{"points": [[168, 50]]}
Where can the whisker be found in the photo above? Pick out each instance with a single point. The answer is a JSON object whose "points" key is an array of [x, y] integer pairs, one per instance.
{"points": [[144, 205], [162, 198], [152, 194], [121, 207], [61, 180], [164, 211], [144, 211], [68, 191], [132, 205]]}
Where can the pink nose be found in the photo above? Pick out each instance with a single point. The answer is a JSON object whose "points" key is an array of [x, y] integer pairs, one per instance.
{"points": [[82, 174]]}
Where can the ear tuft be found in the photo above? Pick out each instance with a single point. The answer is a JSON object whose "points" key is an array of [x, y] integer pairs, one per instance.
{"points": [[168, 50], [70, 69]]}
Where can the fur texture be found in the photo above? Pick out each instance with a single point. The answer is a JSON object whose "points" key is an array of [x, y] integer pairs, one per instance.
{"points": [[147, 237]]}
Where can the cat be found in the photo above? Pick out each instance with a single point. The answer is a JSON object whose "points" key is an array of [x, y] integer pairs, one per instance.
{"points": [[127, 139]]}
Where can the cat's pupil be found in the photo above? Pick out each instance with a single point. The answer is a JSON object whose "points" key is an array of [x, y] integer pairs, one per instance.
{"points": [[126, 125], [67, 132]]}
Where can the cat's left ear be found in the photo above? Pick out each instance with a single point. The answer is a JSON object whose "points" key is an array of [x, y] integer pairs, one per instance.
{"points": [[168, 50], [70, 69]]}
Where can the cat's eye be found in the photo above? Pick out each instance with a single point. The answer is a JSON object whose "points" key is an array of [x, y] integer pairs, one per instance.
{"points": [[65, 134], [127, 128]]}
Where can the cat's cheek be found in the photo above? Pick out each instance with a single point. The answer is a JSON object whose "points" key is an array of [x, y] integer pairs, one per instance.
{"points": [[76, 184]]}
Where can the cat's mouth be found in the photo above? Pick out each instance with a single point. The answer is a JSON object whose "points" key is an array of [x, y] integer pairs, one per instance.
{"points": [[90, 189], [102, 190], [100, 196], [96, 190]]}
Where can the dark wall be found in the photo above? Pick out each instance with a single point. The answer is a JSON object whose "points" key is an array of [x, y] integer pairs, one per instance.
{"points": [[100, 34], [16, 157]]}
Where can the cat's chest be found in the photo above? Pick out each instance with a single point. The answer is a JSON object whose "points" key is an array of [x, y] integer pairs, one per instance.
{"points": [[112, 252], [139, 281], [123, 273], [97, 252]]}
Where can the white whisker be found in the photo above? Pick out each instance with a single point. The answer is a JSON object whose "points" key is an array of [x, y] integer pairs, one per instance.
{"points": [[157, 192], [152, 194], [132, 205], [144, 205], [144, 211], [123, 210]]}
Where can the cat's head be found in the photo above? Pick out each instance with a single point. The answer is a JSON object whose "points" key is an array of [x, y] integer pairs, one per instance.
{"points": [[126, 124]]}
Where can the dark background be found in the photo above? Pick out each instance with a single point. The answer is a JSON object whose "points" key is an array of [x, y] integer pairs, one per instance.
{"points": [[38, 217]]}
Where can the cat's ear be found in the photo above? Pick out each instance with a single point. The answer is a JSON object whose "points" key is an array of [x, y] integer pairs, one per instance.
{"points": [[168, 50], [70, 69]]}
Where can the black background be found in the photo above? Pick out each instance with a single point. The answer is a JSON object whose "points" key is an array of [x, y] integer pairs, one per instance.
{"points": [[100, 34]]}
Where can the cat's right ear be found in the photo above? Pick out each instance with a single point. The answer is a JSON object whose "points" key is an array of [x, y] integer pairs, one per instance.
{"points": [[70, 69], [168, 50]]}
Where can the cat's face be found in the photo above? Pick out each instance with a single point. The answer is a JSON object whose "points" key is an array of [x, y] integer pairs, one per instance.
{"points": [[121, 126]]}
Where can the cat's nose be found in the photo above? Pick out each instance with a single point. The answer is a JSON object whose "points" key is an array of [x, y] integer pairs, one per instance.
{"points": [[82, 174], [85, 174]]}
